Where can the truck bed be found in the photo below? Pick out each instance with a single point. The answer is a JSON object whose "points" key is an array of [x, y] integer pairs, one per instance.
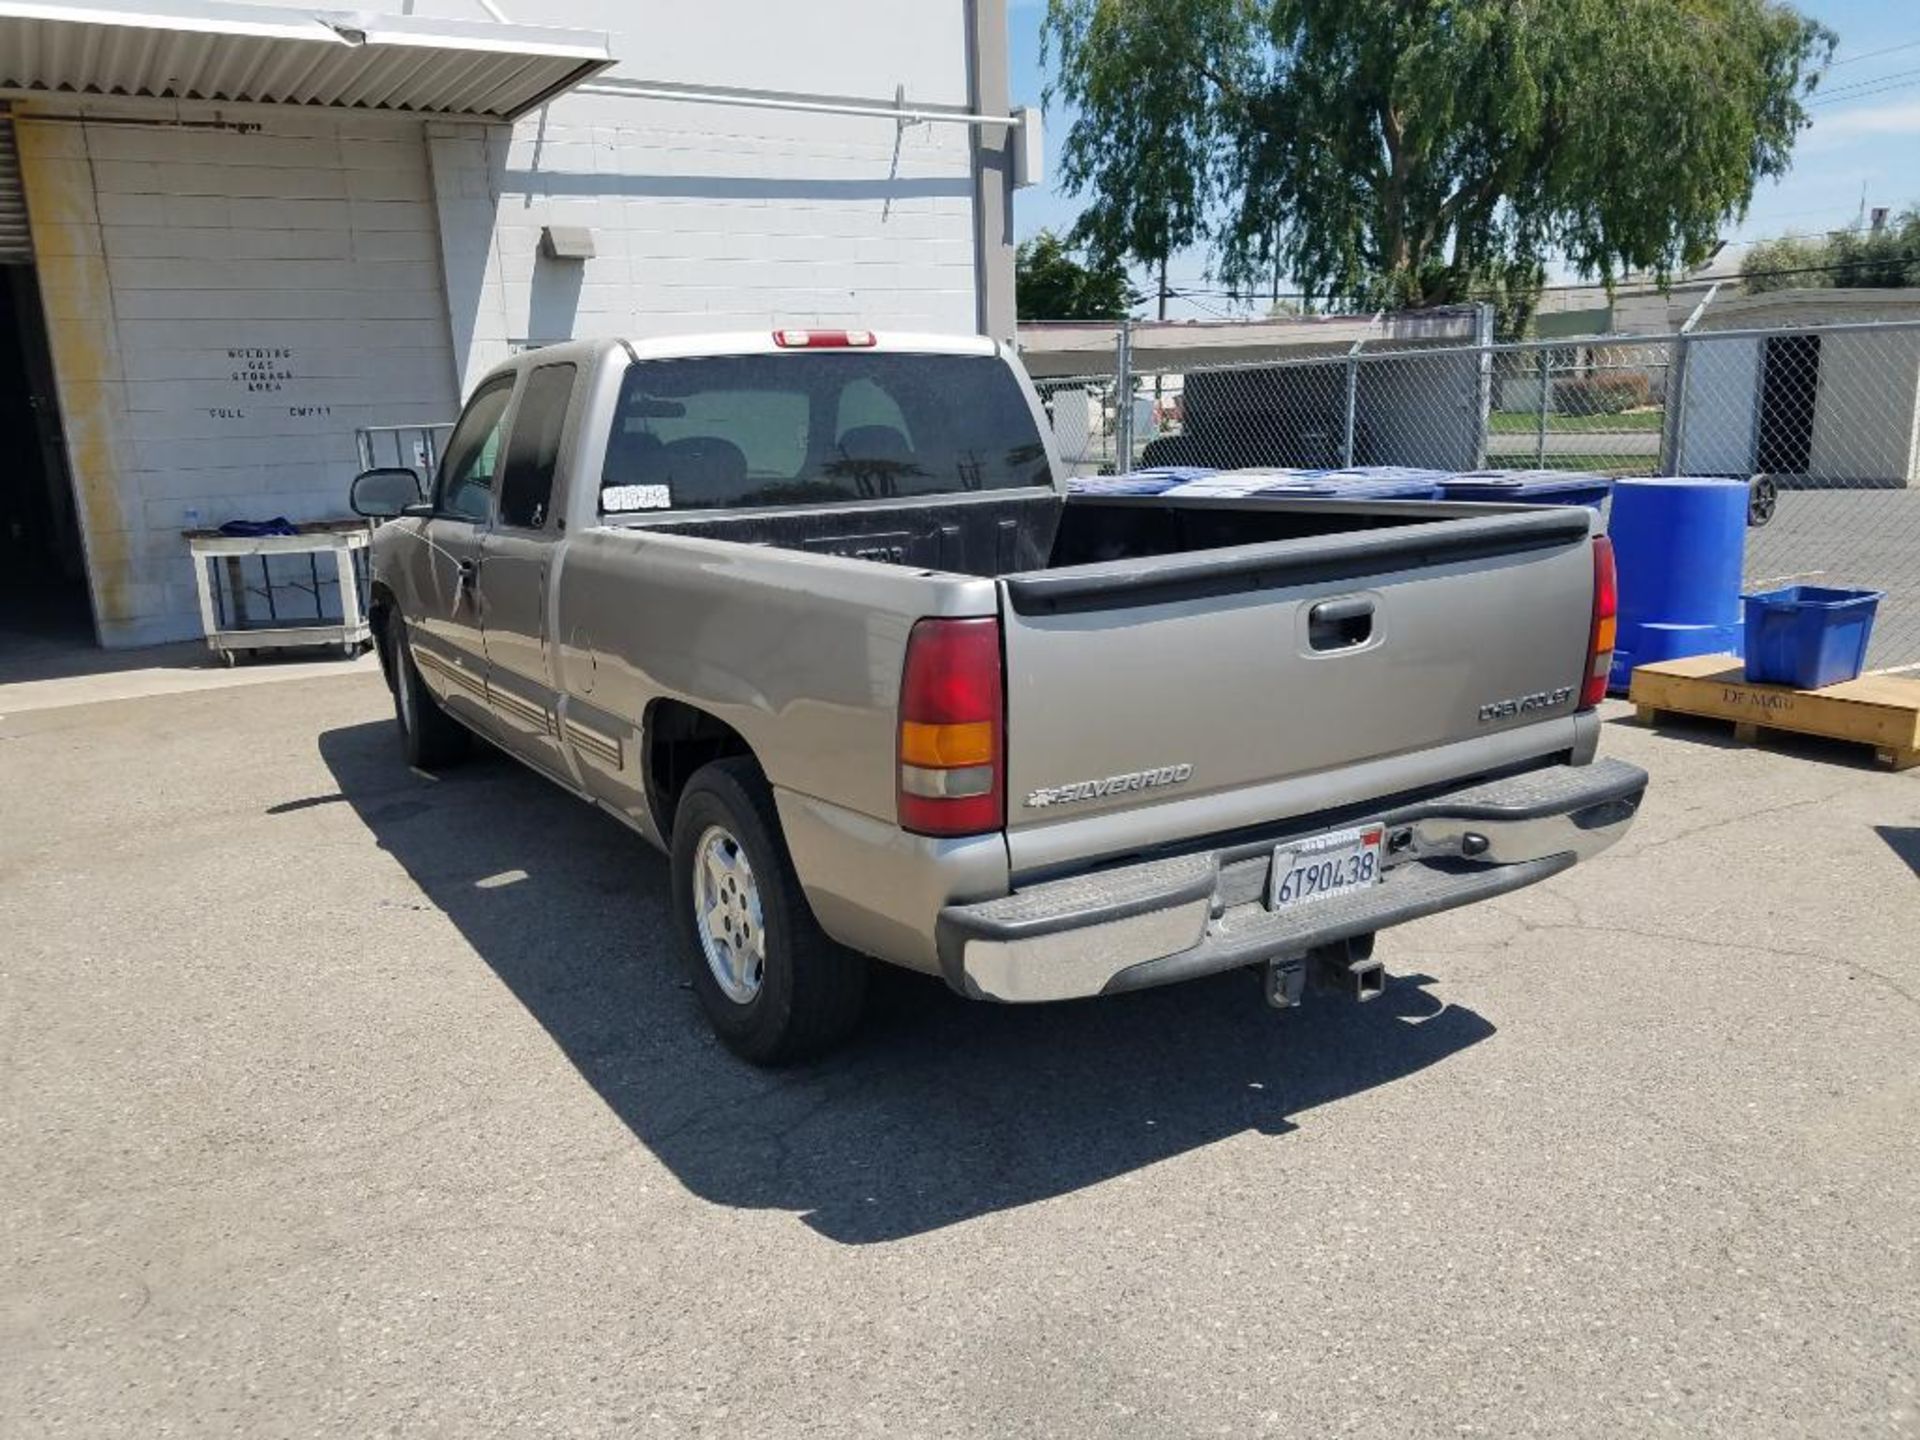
{"points": [[1206, 660], [1014, 534]]}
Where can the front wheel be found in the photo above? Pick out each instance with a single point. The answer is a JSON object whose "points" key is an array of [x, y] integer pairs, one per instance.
{"points": [[429, 737], [1763, 494], [774, 986]]}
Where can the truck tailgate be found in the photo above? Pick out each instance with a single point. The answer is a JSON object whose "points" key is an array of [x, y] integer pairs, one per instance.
{"points": [[1150, 681]]}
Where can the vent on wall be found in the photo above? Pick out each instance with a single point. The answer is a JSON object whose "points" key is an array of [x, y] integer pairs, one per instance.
{"points": [[16, 245]]}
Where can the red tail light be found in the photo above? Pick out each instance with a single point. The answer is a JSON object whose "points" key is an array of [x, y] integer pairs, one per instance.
{"points": [[1606, 611], [823, 339], [952, 751]]}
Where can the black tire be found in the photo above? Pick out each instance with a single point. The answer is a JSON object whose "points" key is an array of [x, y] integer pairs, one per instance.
{"points": [[429, 737], [810, 990], [1763, 495]]}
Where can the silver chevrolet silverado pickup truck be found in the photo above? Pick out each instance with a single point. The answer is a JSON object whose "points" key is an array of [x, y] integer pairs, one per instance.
{"points": [[813, 612]]}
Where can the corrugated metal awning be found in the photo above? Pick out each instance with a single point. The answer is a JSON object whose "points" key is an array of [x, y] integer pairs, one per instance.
{"points": [[216, 50], [16, 245]]}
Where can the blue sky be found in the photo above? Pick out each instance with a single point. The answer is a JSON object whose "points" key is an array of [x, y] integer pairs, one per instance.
{"points": [[1865, 137]]}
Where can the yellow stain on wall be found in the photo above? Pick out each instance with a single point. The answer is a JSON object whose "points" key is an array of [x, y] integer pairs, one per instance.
{"points": [[81, 335]]}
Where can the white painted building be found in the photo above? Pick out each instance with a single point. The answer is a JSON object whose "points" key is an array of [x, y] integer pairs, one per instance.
{"points": [[1817, 387], [253, 230]]}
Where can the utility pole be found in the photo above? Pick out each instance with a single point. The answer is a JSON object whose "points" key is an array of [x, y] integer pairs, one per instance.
{"points": [[1159, 380]]}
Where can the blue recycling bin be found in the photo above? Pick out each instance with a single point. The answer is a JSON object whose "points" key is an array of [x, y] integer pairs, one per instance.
{"points": [[1530, 487], [1679, 544], [1808, 636]]}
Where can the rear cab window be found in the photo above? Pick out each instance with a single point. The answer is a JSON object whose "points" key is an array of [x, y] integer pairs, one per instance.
{"points": [[720, 431]]}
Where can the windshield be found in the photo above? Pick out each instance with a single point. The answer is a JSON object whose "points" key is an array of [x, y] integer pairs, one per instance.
{"points": [[817, 428]]}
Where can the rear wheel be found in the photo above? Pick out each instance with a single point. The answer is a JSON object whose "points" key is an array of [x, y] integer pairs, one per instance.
{"points": [[1763, 494], [774, 987], [429, 737]]}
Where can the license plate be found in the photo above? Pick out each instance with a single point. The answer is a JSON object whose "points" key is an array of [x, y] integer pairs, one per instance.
{"points": [[1323, 866]]}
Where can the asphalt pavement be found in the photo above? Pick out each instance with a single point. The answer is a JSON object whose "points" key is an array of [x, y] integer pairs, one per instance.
{"points": [[338, 1100], [1851, 538]]}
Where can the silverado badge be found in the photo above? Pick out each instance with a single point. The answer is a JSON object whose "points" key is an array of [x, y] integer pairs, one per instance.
{"points": [[1112, 785]]}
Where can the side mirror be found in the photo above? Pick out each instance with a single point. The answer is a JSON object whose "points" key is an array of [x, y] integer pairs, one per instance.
{"points": [[382, 494]]}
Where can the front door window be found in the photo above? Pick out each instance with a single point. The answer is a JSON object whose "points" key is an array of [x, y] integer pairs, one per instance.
{"points": [[473, 455]]}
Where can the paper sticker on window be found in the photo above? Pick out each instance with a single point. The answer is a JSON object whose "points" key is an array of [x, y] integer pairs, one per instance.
{"points": [[616, 498]]}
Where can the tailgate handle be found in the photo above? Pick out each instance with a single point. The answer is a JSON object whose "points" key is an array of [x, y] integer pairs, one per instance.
{"points": [[1340, 624]]}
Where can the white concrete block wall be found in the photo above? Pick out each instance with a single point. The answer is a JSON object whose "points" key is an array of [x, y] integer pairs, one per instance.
{"points": [[267, 294], [710, 217], [703, 219], [821, 47]]}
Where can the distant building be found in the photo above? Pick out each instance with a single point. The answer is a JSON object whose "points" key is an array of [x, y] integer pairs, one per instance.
{"points": [[1812, 401]]}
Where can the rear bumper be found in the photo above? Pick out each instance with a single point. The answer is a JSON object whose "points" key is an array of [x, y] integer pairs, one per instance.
{"points": [[1188, 915]]}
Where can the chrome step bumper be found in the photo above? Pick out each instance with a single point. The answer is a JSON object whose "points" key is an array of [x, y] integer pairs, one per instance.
{"points": [[1156, 922]]}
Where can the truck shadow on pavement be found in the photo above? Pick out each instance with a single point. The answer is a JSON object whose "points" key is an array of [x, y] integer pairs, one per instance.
{"points": [[939, 1111]]}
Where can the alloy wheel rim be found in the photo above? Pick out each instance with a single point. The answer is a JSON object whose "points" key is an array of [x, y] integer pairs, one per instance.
{"points": [[727, 915]]}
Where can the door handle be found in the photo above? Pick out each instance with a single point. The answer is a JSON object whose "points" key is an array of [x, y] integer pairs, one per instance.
{"points": [[466, 578], [1340, 624]]}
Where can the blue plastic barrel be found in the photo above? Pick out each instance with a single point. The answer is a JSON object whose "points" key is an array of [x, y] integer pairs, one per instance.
{"points": [[1679, 544], [1386, 482], [1808, 636], [1254, 481], [1282, 480], [1139, 482], [1530, 487]]}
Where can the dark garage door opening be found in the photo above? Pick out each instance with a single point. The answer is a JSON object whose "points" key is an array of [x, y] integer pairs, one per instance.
{"points": [[43, 584], [1789, 389]]}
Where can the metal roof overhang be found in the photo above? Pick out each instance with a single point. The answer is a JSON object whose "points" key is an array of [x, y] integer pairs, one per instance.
{"points": [[276, 54]]}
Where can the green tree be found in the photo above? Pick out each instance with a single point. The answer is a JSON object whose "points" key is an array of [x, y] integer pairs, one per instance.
{"points": [[1887, 258], [1789, 263], [1141, 152], [1049, 284], [1414, 152]]}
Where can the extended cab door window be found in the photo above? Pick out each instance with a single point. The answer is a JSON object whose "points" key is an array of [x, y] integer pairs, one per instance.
{"points": [[533, 449], [465, 487]]}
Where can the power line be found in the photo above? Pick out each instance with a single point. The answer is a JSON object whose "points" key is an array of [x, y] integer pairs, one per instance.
{"points": [[1173, 294], [1863, 263], [1880, 88], [1848, 89], [1874, 54], [1864, 95]]}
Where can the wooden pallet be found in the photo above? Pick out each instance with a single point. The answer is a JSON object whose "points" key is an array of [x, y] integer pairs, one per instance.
{"points": [[1882, 711]]}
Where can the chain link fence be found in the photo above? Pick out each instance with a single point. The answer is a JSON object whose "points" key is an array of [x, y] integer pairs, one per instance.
{"points": [[1823, 421]]}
